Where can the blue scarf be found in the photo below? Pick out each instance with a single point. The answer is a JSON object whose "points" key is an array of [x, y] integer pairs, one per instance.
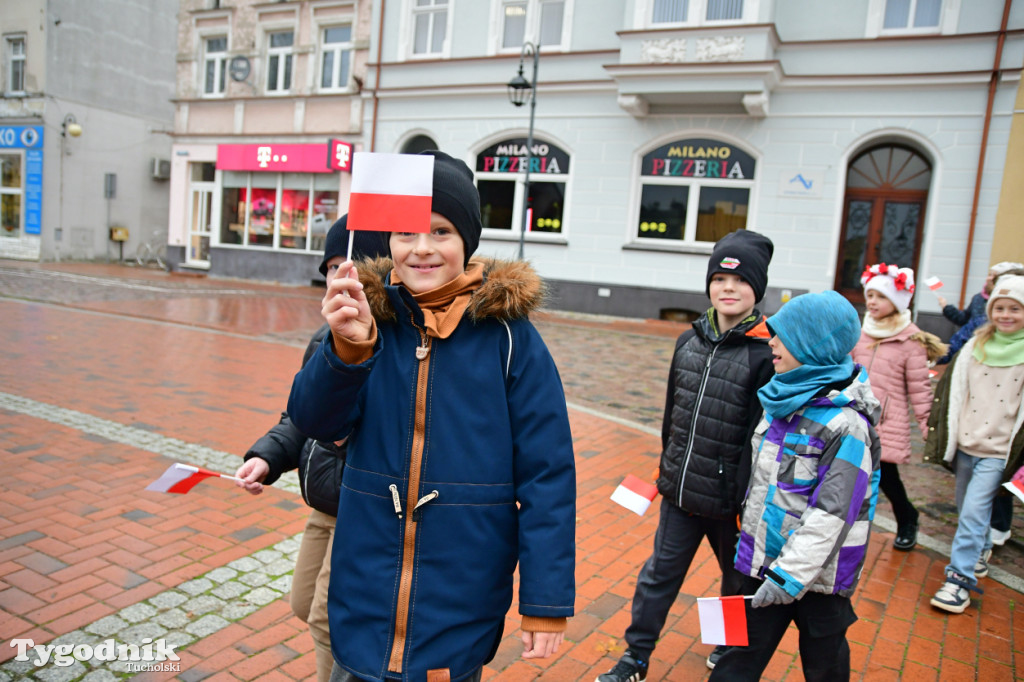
{"points": [[788, 392]]}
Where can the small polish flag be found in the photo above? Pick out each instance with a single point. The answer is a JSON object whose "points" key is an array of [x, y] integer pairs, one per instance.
{"points": [[634, 494], [1015, 487], [933, 283], [723, 620], [180, 478], [391, 192]]}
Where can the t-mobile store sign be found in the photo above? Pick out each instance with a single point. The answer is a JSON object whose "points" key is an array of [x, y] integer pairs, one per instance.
{"points": [[278, 158]]}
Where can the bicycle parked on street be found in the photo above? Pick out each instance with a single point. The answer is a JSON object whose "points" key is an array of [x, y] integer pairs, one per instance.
{"points": [[153, 251]]}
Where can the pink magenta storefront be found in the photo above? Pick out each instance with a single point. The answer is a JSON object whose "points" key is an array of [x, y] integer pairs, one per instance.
{"points": [[256, 210]]}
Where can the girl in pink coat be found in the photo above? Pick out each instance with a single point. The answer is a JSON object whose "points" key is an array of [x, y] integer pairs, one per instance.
{"points": [[896, 354]]}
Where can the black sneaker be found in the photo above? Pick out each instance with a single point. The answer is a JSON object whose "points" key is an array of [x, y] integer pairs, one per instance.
{"points": [[715, 655], [630, 668]]}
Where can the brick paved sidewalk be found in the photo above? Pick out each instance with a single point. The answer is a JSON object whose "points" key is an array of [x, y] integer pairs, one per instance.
{"points": [[96, 401]]}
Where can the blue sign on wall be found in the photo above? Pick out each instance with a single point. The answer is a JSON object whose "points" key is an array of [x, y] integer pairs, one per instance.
{"points": [[29, 138]]}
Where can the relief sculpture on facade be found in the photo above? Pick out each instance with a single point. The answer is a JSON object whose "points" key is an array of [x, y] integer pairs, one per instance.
{"points": [[720, 49], [664, 51]]}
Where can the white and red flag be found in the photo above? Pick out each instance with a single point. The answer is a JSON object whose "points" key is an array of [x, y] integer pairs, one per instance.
{"points": [[635, 494], [180, 478], [933, 283], [1015, 487], [391, 192], [723, 620]]}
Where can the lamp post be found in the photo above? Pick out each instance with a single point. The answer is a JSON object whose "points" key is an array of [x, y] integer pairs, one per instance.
{"points": [[519, 89], [68, 128]]}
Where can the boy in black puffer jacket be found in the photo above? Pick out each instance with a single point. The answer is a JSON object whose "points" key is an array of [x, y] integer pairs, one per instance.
{"points": [[710, 413], [320, 467]]}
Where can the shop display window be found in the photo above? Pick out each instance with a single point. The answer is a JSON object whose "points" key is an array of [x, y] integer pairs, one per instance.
{"points": [[500, 171], [693, 191]]}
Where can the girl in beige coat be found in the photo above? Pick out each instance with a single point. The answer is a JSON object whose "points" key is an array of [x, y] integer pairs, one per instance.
{"points": [[896, 354]]}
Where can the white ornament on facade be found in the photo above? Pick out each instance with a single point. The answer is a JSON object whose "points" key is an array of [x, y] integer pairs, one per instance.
{"points": [[665, 51], [720, 49]]}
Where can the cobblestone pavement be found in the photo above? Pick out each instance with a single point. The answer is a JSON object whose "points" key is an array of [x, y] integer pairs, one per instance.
{"points": [[111, 372]]}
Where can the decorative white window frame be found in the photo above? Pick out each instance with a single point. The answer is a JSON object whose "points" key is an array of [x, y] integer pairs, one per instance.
{"points": [[644, 17], [220, 62], [519, 198], [532, 31], [949, 17], [282, 53], [13, 57], [337, 48], [407, 31], [688, 243]]}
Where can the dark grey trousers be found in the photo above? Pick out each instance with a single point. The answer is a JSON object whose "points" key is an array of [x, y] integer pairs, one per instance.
{"points": [[676, 541]]}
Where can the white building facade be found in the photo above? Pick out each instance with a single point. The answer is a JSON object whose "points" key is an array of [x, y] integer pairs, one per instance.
{"points": [[849, 133]]}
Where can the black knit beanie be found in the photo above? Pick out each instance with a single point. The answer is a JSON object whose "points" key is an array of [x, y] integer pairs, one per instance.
{"points": [[367, 244], [742, 253], [456, 198]]}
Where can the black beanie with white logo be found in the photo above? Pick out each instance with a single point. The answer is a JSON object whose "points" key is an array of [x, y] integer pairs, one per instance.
{"points": [[742, 253]]}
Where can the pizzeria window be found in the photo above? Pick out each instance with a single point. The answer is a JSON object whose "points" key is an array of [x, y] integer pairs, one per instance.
{"points": [[693, 191], [500, 175]]}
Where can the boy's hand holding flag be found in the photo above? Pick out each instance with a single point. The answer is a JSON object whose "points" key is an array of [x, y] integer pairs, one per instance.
{"points": [[180, 478]]}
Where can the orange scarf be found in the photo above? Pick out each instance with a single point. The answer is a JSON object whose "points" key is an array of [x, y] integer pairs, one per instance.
{"points": [[444, 306]]}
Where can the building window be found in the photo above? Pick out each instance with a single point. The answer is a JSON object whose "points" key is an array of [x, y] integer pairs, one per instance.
{"points": [[279, 61], [696, 11], [430, 22], [216, 60], [15, 65], [277, 210], [11, 191], [499, 172], [912, 14], [336, 59], [539, 21], [693, 191]]}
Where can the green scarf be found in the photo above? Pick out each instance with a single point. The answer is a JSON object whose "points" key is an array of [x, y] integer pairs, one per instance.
{"points": [[1002, 350]]}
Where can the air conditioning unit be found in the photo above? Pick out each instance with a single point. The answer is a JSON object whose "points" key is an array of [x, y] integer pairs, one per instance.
{"points": [[161, 169]]}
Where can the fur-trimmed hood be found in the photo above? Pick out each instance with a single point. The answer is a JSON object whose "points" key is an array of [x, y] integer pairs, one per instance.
{"points": [[511, 290]]}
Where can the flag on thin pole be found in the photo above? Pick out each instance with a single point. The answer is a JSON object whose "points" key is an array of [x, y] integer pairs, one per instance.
{"points": [[391, 192], [1015, 487], [635, 494], [933, 283], [723, 620], [180, 478]]}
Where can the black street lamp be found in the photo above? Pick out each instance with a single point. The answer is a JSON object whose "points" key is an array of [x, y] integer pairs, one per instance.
{"points": [[519, 90]]}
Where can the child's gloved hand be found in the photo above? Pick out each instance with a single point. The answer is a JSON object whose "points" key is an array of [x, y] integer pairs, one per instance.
{"points": [[769, 593], [1019, 476]]}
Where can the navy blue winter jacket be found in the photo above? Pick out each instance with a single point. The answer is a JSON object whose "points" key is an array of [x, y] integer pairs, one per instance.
{"points": [[421, 579]]}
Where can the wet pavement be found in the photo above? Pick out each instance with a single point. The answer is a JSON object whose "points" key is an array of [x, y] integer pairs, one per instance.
{"points": [[111, 372]]}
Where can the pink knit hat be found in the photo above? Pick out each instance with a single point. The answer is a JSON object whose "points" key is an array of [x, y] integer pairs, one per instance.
{"points": [[893, 282]]}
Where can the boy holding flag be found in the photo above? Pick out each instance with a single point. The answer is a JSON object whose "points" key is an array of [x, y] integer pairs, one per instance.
{"points": [[808, 511], [710, 411], [460, 460]]}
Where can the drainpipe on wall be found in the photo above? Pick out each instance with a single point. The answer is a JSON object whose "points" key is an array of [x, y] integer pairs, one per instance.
{"points": [[376, 80], [993, 81]]}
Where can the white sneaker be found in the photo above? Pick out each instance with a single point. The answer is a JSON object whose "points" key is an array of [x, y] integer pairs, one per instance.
{"points": [[951, 596], [981, 568], [999, 537]]}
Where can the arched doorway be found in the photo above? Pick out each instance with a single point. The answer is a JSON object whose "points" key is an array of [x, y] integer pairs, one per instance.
{"points": [[883, 216]]}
